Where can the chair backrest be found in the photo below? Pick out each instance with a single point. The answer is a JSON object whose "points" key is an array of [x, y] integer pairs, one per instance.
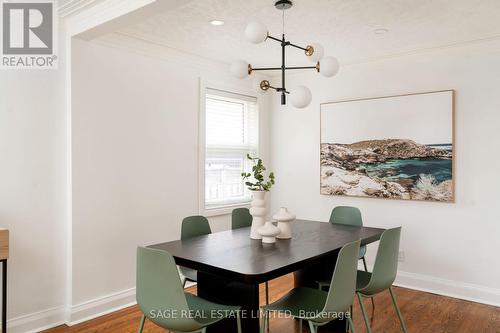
{"points": [[241, 218], [346, 215], [386, 263], [193, 226], [343, 284], [159, 290]]}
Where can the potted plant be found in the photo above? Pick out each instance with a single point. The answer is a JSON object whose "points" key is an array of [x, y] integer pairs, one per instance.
{"points": [[259, 185]]}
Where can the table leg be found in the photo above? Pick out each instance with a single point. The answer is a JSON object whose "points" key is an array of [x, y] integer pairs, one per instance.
{"points": [[221, 290], [4, 296]]}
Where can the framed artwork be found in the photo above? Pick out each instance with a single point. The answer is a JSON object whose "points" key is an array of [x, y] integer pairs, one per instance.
{"points": [[397, 147]]}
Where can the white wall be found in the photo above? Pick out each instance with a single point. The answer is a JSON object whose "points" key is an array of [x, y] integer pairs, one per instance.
{"points": [[135, 162], [33, 191], [449, 248]]}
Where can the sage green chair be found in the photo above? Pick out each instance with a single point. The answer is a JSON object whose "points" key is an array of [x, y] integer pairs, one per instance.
{"points": [[241, 218], [162, 300], [383, 275], [193, 226], [347, 215], [319, 307]]}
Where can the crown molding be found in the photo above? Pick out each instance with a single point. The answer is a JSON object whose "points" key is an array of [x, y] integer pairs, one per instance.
{"points": [[73, 7], [89, 19]]}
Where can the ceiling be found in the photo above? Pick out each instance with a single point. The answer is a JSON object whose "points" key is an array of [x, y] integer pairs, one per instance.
{"points": [[344, 27]]}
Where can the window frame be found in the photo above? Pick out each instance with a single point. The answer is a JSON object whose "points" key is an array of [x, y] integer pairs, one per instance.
{"points": [[232, 89]]}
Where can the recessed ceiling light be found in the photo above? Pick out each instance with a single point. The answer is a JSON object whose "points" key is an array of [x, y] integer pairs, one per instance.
{"points": [[217, 22], [380, 31]]}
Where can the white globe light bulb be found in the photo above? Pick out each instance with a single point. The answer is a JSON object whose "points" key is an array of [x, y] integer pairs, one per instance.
{"points": [[301, 97], [256, 32], [318, 52], [329, 66], [239, 69]]}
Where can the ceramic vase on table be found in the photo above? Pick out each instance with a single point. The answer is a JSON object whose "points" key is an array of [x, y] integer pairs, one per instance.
{"points": [[269, 232], [284, 217], [258, 210]]}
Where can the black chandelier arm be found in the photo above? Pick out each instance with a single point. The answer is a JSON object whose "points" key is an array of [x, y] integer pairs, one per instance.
{"points": [[296, 46], [267, 69], [286, 43], [282, 90], [274, 38], [279, 68], [303, 67]]}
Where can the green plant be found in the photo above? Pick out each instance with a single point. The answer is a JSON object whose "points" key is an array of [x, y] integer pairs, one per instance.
{"points": [[257, 172]]}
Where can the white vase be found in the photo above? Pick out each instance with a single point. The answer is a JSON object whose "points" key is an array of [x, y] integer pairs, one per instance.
{"points": [[258, 210], [269, 232], [284, 217]]}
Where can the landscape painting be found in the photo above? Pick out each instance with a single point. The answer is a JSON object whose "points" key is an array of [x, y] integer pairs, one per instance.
{"points": [[398, 147]]}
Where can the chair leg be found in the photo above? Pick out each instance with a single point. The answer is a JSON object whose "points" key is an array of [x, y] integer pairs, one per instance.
{"points": [[366, 270], [363, 311], [351, 325], [267, 303], [350, 317], [322, 285], [141, 324], [264, 326], [397, 310], [238, 321], [267, 294], [312, 328]]}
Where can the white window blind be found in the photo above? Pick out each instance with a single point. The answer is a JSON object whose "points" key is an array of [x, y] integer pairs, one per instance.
{"points": [[231, 132]]}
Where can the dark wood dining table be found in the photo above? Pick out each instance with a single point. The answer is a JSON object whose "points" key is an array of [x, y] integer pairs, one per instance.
{"points": [[231, 266]]}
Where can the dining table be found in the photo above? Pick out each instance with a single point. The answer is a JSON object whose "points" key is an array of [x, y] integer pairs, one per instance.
{"points": [[231, 265]]}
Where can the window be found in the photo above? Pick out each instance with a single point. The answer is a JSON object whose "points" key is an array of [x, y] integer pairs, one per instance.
{"points": [[231, 132]]}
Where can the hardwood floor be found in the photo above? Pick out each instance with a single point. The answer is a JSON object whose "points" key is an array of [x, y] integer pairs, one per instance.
{"points": [[423, 313]]}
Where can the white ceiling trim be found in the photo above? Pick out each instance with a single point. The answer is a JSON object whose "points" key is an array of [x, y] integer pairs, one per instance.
{"points": [[152, 48], [72, 7], [421, 50]]}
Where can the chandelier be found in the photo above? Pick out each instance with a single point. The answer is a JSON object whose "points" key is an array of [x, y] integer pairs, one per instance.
{"points": [[301, 96]]}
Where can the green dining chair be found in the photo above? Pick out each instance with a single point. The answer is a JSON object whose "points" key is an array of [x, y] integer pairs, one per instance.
{"points": [[241, 218], [319, 307], [162, 300], [193, 226], [383, 275], [347, 215]]}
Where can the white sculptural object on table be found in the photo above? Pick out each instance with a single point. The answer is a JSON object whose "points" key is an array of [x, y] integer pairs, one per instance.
{"points": [[284, 217]]}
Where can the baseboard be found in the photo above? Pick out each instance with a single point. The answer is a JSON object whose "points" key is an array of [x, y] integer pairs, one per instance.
{"points": [[38, 321], [445, 287], [461, 290], [105, 305], [101, 306]]}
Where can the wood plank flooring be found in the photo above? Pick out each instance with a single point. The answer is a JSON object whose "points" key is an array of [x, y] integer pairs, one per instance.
{"points": [[423, 313]]}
